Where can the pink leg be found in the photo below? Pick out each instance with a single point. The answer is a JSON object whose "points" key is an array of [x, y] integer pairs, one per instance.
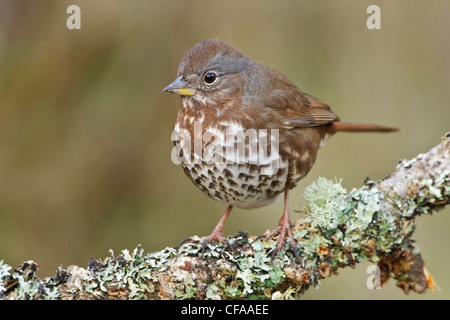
{"points": [[283, 230], [217, 234], [284, 226]]}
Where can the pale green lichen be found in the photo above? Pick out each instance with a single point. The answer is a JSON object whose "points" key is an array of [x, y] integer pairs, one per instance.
{"points": [[21, 280], [257, 272], [213, 292], [361, 208], [324, 203], [4, 273], [288, 294]]}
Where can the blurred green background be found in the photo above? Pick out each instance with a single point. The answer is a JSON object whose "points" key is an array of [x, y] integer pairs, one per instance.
{"points": [[85, 129]]}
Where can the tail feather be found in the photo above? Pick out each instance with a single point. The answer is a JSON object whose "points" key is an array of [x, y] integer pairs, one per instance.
{"points": [[359, 127]]}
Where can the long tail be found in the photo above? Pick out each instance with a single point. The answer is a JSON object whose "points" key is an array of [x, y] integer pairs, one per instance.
{"points": [[359, 127]]}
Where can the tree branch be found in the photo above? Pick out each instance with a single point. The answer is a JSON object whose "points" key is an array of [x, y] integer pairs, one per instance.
{"points": [[373, 223]]}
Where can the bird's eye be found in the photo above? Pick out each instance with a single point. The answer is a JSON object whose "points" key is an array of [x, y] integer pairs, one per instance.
{"points": [[210, 77]]}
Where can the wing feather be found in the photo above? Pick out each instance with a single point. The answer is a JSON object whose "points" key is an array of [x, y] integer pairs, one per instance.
{"points": [[296, 108]]}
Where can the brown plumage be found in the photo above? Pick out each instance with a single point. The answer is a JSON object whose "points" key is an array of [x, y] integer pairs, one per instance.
{"points": [[225, 93]]}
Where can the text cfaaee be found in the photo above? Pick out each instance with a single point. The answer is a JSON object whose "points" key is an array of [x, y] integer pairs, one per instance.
{"points": [[249, 309], [236, 309]]}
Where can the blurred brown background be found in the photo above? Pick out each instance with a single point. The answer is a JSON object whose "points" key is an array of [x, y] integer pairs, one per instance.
{"points": [[85, 128]]}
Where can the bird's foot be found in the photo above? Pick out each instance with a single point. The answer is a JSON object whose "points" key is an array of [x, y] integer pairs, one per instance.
{"points": [[215, 237], [284, 232]]}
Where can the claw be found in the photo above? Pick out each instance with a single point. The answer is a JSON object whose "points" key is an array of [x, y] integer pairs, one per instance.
{"points": [[189, 239]]}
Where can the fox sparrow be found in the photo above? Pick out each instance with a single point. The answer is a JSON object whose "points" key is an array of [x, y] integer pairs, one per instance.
{"points": [[245, 133]]}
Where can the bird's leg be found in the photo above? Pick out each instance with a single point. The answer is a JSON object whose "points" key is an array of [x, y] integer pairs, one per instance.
{"points": [[283, 230], [284, 226], [217, 234]]}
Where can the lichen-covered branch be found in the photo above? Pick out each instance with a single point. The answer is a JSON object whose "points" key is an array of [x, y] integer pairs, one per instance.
{"points": [[373, 223]]}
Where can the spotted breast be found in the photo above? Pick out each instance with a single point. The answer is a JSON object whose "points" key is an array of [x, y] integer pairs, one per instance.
{"points": [[231, 163]]}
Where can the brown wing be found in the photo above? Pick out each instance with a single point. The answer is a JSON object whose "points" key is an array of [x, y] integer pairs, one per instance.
{"points": [[297, 109]]}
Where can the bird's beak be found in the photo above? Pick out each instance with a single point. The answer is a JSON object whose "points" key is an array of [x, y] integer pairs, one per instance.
{"points": [[180, 87]]}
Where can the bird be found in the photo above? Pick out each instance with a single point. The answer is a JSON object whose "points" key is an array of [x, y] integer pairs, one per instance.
{"points": [[230, 102]]}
